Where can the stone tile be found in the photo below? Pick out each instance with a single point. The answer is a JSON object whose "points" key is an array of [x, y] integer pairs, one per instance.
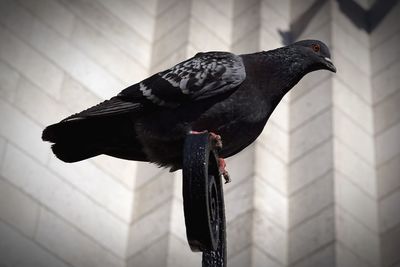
{"points": [[241, 166], [106, 54], [356, 202], [169, 43], [282, 7], [240, 7], [180, 255], [104, 189], [354, 168], [268, 40], [121, 170], [353, 106], [149, 229], [362, 241], [3, 143], [387, 27], [239, 199], [150, 6], [133, 15], [152, 195], [349, 26], [113, 28], [154, 255], [269, 238], [386, 82], [163, 6], [270, 202], [208, 16], [385, 53], [311, 235], [390, 247], [260, 259], [239, 234], [280, 116], [346, 258], [29, 62], [247, 44], [388, 211], [324, 257], [70, 244], [203, 39], [179, 55], [311, 166], [17, 250], [146, 171], [353, 136], [311, 103], [311, 199], [8, 81], [178, 228], [388, 144], [35, 103], [64, 200], [388, 175], [246, 22], [75, 96], [57, 48], [321, 20], [387, 112], [177, 14], [243, 258], [351, 76], [351, 48], [270, 168], [53, 14], [309, 135], [22, 131], [272, 21], [308, 83], [276, 140], [17, 209], [252, 257]]}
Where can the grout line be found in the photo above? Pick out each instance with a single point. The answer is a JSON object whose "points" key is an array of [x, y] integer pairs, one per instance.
{"points": [[312, 217], [69, 184], [313, 252], [35, 242]]}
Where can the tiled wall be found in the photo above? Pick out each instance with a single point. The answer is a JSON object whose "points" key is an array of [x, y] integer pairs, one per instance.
{"points": [[320, 187]]}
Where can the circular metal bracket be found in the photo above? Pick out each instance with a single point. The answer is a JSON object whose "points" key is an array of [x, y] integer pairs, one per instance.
{"points": [[203, 200]]}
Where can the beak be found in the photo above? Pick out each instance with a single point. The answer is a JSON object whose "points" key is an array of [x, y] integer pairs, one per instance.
{"points": [[329, 64]]}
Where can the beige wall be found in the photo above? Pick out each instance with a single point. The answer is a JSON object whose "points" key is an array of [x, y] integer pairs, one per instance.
{"points": [[320, 187]]}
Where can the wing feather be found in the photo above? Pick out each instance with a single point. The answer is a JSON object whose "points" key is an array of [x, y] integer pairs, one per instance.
{"points": [[203, 76]]}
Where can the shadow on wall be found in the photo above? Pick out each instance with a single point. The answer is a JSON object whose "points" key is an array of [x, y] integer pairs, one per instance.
{"points": [[366, 19]]}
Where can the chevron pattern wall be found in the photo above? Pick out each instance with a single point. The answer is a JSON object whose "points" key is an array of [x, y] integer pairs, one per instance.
{"points": [[320, 187]]}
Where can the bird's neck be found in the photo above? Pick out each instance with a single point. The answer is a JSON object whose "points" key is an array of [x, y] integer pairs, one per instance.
{"points": [[277, 71]]}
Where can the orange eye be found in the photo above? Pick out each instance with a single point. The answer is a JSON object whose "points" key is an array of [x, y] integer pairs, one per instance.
{"points": [[316, 48]]}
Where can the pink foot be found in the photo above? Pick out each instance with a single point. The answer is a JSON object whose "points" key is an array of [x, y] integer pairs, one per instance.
{"points": [[215, 138], [223, 171]]}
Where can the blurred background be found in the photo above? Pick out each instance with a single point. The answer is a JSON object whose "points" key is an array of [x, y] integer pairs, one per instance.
{"points": [[320, 187]]}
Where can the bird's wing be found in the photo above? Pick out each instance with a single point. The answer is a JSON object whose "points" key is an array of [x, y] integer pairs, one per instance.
{"points": [[202, 76], [111, 107]]}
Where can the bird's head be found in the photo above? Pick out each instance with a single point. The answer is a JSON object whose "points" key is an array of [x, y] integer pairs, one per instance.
{"points": [[316, 54]]}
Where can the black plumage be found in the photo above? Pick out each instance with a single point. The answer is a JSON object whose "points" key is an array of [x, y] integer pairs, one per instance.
{"points": [[227, 94]]}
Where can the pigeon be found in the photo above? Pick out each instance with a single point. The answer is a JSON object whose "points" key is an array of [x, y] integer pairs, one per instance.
{"points": [[230, 96]]}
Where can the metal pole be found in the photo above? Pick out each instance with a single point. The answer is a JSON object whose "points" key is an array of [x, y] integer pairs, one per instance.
{"points": [[203, 200]]}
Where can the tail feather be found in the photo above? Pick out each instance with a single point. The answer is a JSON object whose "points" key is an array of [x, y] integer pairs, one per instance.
{"points": [[76, 140], [68, 152]]}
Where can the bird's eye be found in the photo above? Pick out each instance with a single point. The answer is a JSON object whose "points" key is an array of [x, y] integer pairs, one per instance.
{"points": [[316, 48]]}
